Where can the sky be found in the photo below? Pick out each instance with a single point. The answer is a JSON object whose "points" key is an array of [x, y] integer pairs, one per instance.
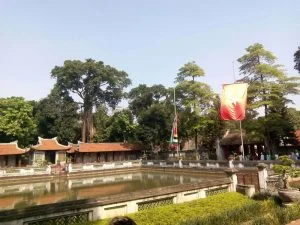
{"points": [[150, 40]]}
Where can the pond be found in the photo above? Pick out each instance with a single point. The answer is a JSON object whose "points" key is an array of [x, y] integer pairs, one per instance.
{"points": [[66, 189]]}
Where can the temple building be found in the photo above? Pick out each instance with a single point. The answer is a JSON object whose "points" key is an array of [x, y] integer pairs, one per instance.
{"points": [[10, 154], [104, 152], [51, 151], [48, 150]]}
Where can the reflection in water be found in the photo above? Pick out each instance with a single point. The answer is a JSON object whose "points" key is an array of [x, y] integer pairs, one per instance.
{"points": [[60, 190]]}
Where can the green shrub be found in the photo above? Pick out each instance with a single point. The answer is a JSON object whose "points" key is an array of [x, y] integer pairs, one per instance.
{"points": [[265, 220], [224, 209], [233, 216], [285, 215], [202, 211]]}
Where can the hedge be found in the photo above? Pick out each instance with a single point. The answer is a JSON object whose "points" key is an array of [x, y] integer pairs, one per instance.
{"points": [[230, 206], [226, 209]]}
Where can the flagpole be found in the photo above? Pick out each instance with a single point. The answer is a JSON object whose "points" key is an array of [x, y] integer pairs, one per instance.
{"points": [[241, 132], [176, 122]]}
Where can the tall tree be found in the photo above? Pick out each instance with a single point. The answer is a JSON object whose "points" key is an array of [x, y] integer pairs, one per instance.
{"points": [[297, 59], [268, 86], [195, 99], [154, 125], [16, 121], [152, 108], [142, 97], [212, 128], [57, 116], [94, 83]]}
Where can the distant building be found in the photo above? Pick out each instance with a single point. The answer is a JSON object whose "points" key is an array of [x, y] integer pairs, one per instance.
{"points": [[104, 152], [10, 154], [231, 145], [51, 151], [48, 150]]}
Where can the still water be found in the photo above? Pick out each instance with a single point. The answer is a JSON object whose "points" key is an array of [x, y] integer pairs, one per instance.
{"points": [[61, 190]]}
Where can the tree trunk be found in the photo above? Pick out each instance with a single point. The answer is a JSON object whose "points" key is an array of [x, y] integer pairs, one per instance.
{"points": [[90, 126], [87, 131], [196, 144], [83, 130]]}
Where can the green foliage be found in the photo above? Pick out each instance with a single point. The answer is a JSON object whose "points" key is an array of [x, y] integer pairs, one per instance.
{"points": [[297, 59], [268, 89], [195, 212], [287, 165], [294, 116], [190, 69], [143, 97], [277, 215], [154, 112], [57, 116], [100, 118], [198, 107], [16, 121], [288, 214], [120, 127], [195, 96], [95, 83], [225, 209], [154, 126]]}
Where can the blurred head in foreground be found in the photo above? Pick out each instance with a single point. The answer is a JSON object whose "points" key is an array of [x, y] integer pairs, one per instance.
{"points": [[122, 220]]}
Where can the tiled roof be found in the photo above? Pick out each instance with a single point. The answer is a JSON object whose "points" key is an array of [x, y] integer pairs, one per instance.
{"points": [[73, 148], [108, 147], [50, 145], [10, 149], [235, 139]]}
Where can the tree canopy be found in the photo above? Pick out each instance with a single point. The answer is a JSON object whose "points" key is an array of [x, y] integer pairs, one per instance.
{"points": [[16, 121], [194, 100], [94, 83], [269, 88], [152, 108], [57, 116], [189, 70], [83, 105]]}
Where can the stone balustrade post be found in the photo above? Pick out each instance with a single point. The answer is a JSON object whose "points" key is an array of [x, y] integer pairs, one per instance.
{"points": [[262, 176], [230, 162], [48, 169], [180, 163], [231, 173], [250, 190]]}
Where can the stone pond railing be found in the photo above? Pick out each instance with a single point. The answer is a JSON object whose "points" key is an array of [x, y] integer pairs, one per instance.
{"points": [[104, 207], [109, 206], [25, 171], [102, 166], [68, 168], [77, 168], [210, 164]]}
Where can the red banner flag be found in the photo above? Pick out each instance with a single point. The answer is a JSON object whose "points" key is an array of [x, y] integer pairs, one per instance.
{"points": [[233, 101]]}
